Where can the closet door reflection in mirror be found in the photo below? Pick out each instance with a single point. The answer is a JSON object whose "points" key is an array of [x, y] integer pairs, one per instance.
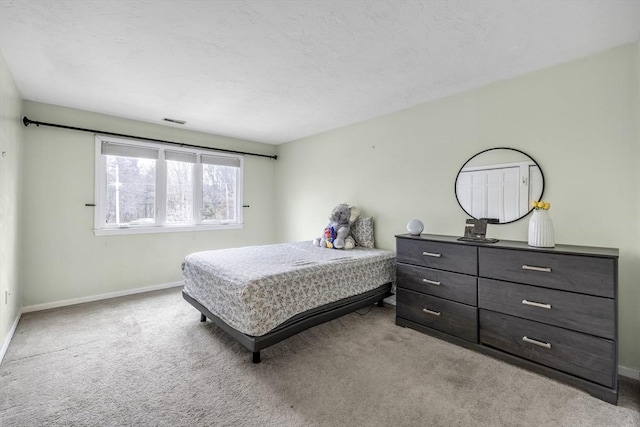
{"points": [[499, 184]]}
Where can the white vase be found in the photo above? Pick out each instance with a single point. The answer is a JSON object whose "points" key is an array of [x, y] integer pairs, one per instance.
{"points": [[541, 229]]}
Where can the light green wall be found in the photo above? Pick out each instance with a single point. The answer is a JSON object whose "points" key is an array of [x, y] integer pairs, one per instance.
{"points": [[61, 257], [578, 120], [11, 142]]}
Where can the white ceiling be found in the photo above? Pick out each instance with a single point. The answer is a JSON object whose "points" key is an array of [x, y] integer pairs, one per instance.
{"points": [[275, 71]]}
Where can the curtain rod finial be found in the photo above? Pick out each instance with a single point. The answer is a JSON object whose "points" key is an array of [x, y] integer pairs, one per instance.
{"points": [[26, 121]]}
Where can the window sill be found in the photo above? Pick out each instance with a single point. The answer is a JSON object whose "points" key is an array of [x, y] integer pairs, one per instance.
{"points": [[164, 229]]}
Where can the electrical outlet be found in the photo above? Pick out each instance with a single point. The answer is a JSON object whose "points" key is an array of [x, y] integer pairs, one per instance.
{"points": [[6, 297]]}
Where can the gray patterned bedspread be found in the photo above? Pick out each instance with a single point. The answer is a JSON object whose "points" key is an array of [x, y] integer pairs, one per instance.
{"points": [[256, 288]]}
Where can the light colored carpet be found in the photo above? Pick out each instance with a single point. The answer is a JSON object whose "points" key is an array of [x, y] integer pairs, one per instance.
{"points": [[147, 360]]}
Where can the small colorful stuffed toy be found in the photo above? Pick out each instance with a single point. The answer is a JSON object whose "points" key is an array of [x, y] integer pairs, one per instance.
{"points": [[336, 233], [329, 236]]}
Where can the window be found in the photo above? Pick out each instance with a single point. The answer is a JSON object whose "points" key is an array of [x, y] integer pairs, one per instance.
{"points": [[143, 187]]}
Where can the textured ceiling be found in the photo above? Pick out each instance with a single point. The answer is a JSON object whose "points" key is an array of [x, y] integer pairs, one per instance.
{"points": [[275, 71]]}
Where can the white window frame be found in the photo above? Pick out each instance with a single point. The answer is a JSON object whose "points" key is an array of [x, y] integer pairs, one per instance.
{"points": [[161, 226]]}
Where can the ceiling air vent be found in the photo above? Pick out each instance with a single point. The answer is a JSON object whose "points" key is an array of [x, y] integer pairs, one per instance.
{"points": [[176, 121]]}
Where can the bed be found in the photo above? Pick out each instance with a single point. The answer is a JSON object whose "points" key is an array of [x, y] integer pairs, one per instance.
{"points": [[261, 295]]}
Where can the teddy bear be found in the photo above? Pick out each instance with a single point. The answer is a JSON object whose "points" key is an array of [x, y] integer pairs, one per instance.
{"points": [[336, 233]]}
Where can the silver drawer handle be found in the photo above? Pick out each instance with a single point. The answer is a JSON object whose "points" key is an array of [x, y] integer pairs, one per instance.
{"points": [[435, 313], [431, 282], [536, 304], [538, 343], [531, 267], [431, 254]]}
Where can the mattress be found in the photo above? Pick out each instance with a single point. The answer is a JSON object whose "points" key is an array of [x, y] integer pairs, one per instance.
{"points": [[254, 289]]}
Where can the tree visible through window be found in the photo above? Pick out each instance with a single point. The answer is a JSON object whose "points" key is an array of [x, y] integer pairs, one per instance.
{"points": [[141, 184], [131, 190], [179, 191], [219, 193]]}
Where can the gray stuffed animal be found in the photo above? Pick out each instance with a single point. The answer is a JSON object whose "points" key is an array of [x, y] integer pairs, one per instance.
{"points": [[336, 233]]}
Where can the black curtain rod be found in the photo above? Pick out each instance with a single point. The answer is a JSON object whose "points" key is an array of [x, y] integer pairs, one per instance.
{"points": [[28, 122]]}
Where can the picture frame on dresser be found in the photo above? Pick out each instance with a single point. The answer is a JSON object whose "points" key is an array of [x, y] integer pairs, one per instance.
{"points": [[549, 310]]}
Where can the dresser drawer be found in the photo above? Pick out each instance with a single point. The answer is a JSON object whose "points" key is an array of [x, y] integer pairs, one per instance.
{"points": [[455, 319], [444, 284], [576, 353], [583, 313], [583, 274], [444, 256]]}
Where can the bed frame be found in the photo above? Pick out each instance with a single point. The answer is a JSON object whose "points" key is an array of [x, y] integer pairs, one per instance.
{"points": [[297, 323]]}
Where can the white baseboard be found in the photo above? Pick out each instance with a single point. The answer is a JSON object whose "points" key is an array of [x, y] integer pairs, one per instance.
{"points": [[634, 374], [64, 303], [7, 340]]}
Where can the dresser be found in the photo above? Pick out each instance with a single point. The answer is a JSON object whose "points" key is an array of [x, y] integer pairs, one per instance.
{"points": [[550, 310]]}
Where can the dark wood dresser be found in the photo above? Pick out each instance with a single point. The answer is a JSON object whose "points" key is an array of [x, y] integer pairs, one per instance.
{"points": [[551, 310]]}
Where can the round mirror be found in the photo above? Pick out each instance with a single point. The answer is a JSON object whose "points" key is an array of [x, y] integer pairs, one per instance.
{"points": [[499, 185]]}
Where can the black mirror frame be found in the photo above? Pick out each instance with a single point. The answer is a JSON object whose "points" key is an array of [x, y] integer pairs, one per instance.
{"points": [[455, 183]]}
